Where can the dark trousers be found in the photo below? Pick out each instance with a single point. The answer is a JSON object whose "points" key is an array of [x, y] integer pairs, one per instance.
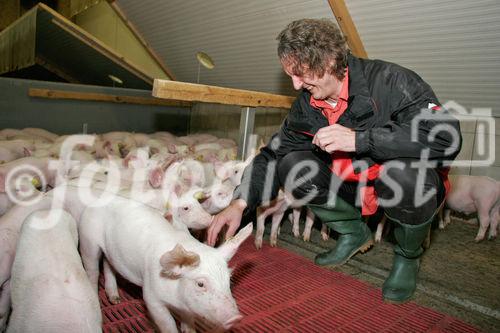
{"points": [[396, 181]]}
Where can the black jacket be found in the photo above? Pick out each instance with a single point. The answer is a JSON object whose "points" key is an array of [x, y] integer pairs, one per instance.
{"points": [[384, 99]]}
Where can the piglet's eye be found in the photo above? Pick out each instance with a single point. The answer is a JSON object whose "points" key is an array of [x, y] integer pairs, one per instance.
{"points": [[200, 284], [185, 208]]}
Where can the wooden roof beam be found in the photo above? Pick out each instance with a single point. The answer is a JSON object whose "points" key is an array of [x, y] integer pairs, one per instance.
{"points": [[348, 28]]}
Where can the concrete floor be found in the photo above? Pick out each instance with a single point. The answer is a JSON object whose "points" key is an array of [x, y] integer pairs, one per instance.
{"points": [[458, 276]]}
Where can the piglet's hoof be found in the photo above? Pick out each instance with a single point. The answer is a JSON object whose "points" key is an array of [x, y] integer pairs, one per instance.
{"points": [[258, 243], [115, 300]]}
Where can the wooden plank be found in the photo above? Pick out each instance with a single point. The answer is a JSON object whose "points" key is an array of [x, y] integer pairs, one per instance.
{"points": [[348, 28], [97, 97], [140, 38], [211, 94], [93, 42]]}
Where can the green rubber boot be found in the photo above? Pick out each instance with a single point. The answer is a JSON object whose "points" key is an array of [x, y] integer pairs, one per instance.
{"points": [[354, 235], [402, 281]]}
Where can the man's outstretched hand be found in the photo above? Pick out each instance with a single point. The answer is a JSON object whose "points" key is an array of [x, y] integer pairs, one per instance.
{"points": [[230, 216]]}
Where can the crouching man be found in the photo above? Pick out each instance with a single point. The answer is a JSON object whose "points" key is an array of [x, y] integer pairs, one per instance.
{"points": [[361, 134]]}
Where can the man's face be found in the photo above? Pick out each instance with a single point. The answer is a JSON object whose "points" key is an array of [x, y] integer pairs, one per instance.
{"points": [[325, 87]]}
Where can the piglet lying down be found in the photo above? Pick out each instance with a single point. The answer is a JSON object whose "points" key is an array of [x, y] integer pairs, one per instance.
{"points": [[176, 271]]}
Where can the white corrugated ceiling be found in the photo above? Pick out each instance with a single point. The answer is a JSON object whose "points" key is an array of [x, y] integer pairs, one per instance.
{"points": [[452, 44]]}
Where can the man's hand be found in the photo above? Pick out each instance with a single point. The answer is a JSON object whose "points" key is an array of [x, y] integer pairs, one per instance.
{"points": [[231, 216], [335, 138]]}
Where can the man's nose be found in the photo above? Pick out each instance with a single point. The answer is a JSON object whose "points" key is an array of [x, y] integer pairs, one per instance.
{"points": [[297, 82]]}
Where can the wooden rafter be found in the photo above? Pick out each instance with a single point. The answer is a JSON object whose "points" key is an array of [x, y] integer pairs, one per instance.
{"points": [[140, 38], [348, 28]]}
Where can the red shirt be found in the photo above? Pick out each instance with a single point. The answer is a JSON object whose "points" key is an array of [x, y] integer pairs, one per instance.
{"points": [[341, 161]]}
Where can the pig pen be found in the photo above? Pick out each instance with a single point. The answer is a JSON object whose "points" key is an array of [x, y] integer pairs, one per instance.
{"points": [[279, 289]]}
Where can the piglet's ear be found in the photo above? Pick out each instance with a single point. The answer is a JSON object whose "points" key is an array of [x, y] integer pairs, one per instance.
{"points": [[169, 217], [178, 261], [156, 177], [229, 248], [172, 148], [222, 171]]}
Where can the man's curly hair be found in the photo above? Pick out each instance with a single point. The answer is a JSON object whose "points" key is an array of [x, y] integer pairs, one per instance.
{"points": [[310, 45]]}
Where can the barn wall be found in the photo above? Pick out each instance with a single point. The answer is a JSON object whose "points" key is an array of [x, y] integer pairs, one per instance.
{"points": [[477, 138], [18, 110], [453, 45]]}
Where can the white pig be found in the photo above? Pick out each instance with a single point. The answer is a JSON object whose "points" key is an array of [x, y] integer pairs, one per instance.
{"points": [[50, 290], [232, 170], [6, 155], [20, 178], [176, 271], [8, 133], [10, 226], [39, 132], [277, 208], [219, 196], [186, 209], [471, 194], [19, 148], [306, 234], [71, 198]]}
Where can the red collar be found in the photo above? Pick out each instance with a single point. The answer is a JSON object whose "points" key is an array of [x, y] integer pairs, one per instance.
{"points": [[344, 95]]}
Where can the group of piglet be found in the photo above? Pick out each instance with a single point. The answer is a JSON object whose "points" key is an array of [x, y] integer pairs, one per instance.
{"points": [[134, 199], [130, 199]]}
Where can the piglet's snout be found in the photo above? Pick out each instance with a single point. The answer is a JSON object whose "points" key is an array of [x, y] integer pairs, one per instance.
{"points": [[231, 322], [227, 314]]}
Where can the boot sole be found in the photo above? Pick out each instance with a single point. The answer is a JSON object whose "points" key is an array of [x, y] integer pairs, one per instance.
{"points": [[391, 301], [363, 248]]}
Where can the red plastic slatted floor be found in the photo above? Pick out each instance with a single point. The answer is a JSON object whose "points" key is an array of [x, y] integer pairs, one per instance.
{"points": [[279, 291]]}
